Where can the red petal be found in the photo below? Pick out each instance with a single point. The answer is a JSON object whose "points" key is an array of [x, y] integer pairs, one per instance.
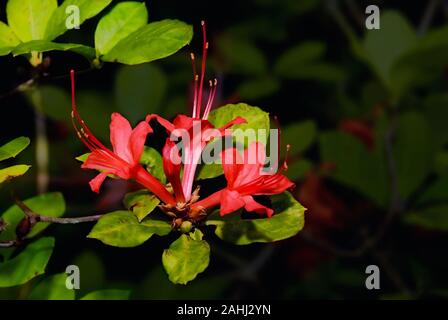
{"points": [[252, 205], [137, 140], [231, 164], [237, 120], [172, 168], [120, 133], [230, 202], [95, 183], [165, 123], [101, 160]]}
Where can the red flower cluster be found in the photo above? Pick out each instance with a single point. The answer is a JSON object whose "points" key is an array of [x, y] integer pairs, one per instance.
{"points": [[245, 178]]}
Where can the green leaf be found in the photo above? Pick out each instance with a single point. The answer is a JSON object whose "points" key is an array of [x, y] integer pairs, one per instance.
{"points": [[12, 172], [110, 294], [139, 90], [87, 9], [385, 46], [432, 218], [256, 119], [299, 135], [258, 88], [355, 166], [83, 157], [436, 193], [153, 161], [186, 258], [141, 203], [241, 56], [52, 288], [28, 264], [44, 46], [122, 229], [48, 204], [7, 37], [13, 148], [287, 221], [28, 18], [154, 41], [120, 22], [209, 171], [5, 50]]}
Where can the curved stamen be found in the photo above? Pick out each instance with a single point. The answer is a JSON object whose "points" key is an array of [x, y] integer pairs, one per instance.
{"points": [[203, 61], [211, 98]]}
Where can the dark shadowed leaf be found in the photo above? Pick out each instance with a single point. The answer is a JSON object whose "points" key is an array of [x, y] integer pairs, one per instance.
{"points": [[52, 288]]}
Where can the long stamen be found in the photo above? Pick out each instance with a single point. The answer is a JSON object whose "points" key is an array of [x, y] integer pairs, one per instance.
{"points": [[203, 61], [195, 84], [211, 98]]}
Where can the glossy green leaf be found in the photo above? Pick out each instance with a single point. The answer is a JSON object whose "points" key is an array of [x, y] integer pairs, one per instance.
{"points": [[186, 258], [432, 218], [209, 171], [241, 56], [28, 18], [141, 203], [122, 229], [287, 221], [7, 37], [256, 119], [154, 41], [48, 204], [139, 90], [28, 264], [87, 9], [44, 46], [110, 294], [12, 172], [52, 288], [152, 159], [120, 22], [13, 148]]}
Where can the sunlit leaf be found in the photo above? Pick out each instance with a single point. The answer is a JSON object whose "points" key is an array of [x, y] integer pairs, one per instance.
{"points": [[87, 9], [141, 203], [186, 258], [256, 119], [120, 22], [28, 18], [28, 264], [7, 37], [12, 172], [44, 46], [152, 159], [122, 229], [154, 41], [13, 148]]}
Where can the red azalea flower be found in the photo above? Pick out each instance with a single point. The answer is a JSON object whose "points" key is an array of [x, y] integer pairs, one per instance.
{"points": [[123, 161], [200, 130], [246, 178]]}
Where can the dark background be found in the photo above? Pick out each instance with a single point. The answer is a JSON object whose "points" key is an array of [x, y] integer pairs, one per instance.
{"points": [[335, 92]]}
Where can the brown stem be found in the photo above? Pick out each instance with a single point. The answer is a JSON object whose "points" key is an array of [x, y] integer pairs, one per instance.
{"points": [[40, 218]]}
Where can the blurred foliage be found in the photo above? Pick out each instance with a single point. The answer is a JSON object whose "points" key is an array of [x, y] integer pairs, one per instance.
{"points": [[363, 110]]}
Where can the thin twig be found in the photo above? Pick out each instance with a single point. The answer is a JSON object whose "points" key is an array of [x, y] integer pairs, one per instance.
{"points": [[9, 244], [41, 218]]}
